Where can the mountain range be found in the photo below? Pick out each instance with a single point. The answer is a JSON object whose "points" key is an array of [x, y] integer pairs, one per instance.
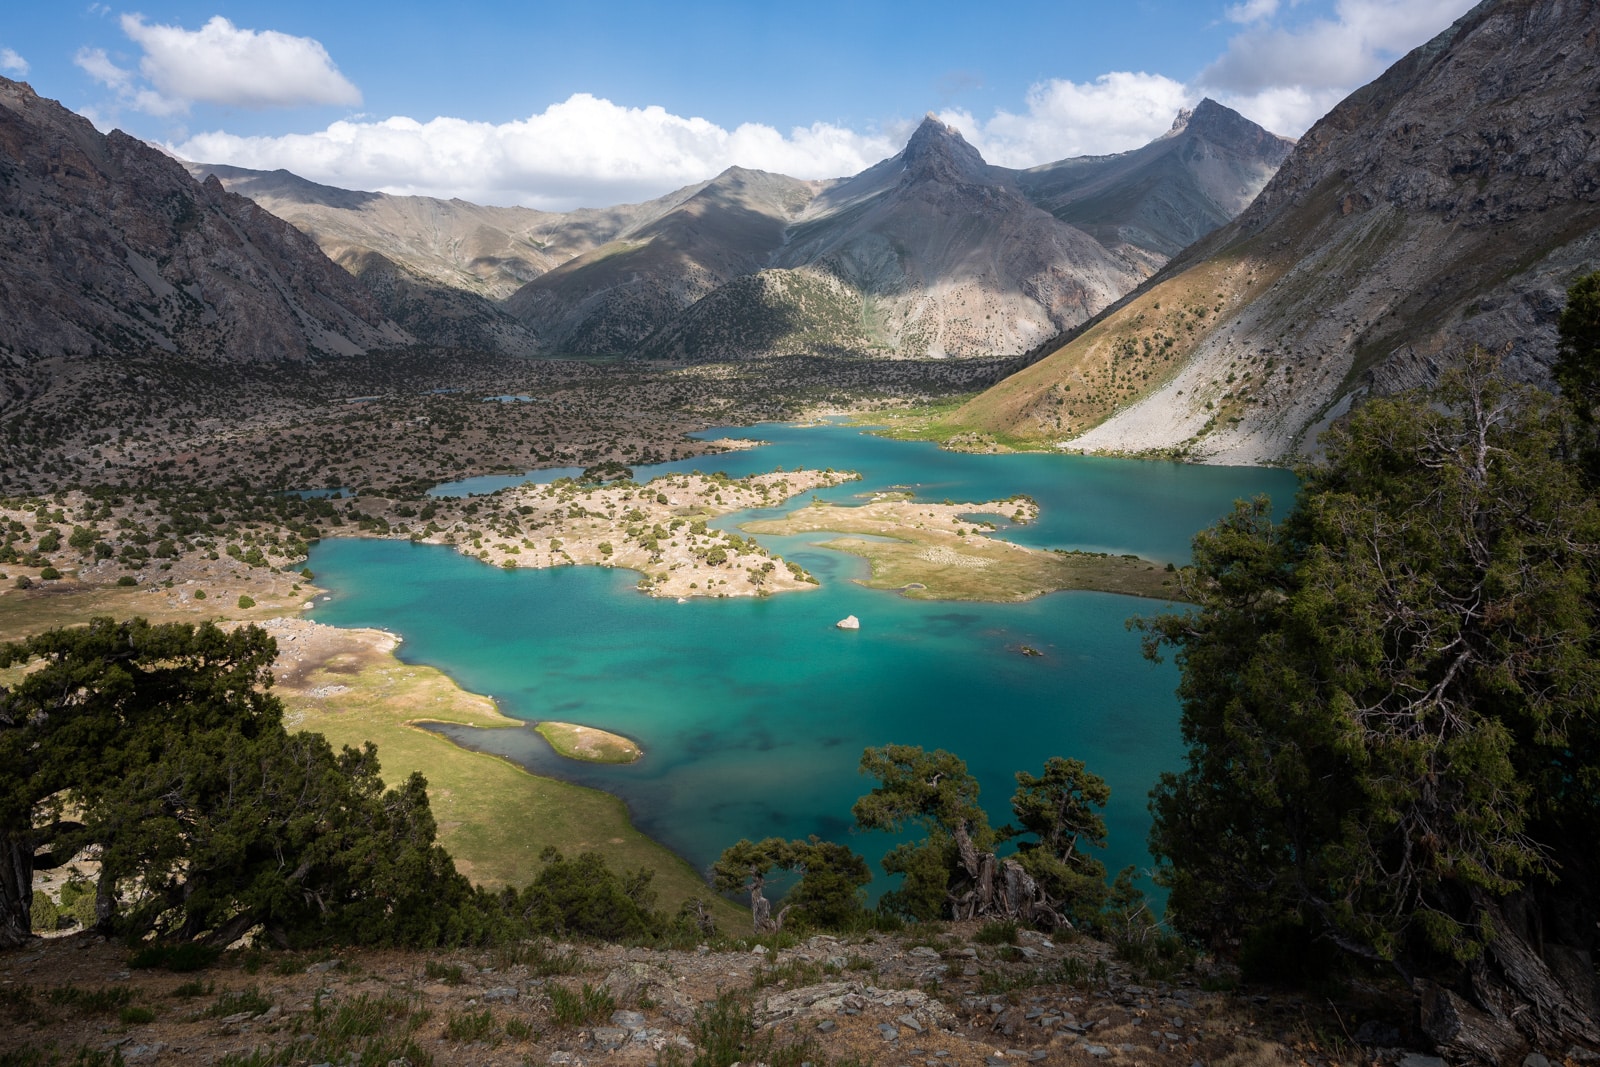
{"points": [[1448, 203], [1167, 308], [931, 252]]}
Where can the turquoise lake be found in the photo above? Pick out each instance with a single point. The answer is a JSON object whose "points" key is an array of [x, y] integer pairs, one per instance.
{"points": [[753, 712]]}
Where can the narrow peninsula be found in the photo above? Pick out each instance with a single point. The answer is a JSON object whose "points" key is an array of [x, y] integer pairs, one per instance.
{"points": [[943, 551]]}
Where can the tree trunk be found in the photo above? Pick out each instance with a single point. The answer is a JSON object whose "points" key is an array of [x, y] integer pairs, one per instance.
{"points": [[760, 906], [999, 889], [16, 891], [1514, 1000]]}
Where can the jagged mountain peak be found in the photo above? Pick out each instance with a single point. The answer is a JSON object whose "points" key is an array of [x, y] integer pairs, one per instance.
{"points": [[1221, 125], [938, 152]]}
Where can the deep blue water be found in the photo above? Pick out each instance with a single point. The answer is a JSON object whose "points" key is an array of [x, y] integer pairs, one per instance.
{"points": [[753, 712]]}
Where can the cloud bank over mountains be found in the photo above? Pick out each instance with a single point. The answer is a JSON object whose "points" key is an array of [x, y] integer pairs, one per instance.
{"points": [[218, 64], [588, 151], [1285, 78]]}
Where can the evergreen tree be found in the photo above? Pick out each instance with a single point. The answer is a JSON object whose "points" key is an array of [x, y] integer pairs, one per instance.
{"points": [[827, 896], [1061, 808], [931, 791], [101, 702], [1577, 370], [160, 745], [955, 871], [1577, 367], [1390, 701]]}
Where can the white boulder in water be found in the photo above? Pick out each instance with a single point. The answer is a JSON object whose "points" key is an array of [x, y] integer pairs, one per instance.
{"points": [[849, 622]]}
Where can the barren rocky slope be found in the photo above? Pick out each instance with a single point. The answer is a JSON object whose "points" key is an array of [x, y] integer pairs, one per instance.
{"points": [[439, 267], [1449, 202], [611, 299], [491, 251], [109, 248], [1157, 200]]}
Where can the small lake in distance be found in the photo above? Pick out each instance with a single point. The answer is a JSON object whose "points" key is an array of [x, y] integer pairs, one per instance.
{"points": [[753, 711]]}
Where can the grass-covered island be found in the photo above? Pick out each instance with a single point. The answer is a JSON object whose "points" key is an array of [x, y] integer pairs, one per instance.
{"points": [[589, 743], [942, 552]]}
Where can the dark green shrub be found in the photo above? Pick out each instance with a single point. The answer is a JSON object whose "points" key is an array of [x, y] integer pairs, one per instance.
{"points": [[584, 1007], [45, 913], [243, 1000], [450, 974], [181, 958], [997, 932], [469, 1026]]}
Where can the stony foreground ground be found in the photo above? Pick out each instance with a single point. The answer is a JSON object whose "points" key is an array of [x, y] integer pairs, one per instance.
{"points": [[935, 1000]]}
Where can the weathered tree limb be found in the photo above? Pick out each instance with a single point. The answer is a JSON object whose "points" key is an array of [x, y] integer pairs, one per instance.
{"points": [[1515, 1000], [999, 888], [760, 907]]}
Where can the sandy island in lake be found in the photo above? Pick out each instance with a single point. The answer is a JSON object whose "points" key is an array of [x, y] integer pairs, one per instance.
{"points": [[658, 529], [942, 551]]}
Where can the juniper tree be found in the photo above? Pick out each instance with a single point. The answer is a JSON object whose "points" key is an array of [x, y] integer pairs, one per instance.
{"points": [[1391, 701], [1061, 809], [933, 792], [160, 745], [828, 894]]}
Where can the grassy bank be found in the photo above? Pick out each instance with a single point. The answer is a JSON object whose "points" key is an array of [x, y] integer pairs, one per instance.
{"points": [[587, 743], [494, 818]]}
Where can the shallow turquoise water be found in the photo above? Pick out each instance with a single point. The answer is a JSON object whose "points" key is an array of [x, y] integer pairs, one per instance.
{"points": [[753, 713]]}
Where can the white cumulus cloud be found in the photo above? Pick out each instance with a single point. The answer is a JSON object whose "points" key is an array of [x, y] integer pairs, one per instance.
{"points": [[223, 64], [1114, 113], [1286, 77], [584, 151], [588, 151], [1251, 10], [1283, 68], [12, 63], [125, 84]]}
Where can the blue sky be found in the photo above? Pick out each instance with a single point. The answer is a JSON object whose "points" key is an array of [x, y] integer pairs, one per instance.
{"points": [[583, 103]]}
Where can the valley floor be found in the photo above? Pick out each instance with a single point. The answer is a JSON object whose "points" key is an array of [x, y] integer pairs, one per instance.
{"points": [[185, 520]]}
